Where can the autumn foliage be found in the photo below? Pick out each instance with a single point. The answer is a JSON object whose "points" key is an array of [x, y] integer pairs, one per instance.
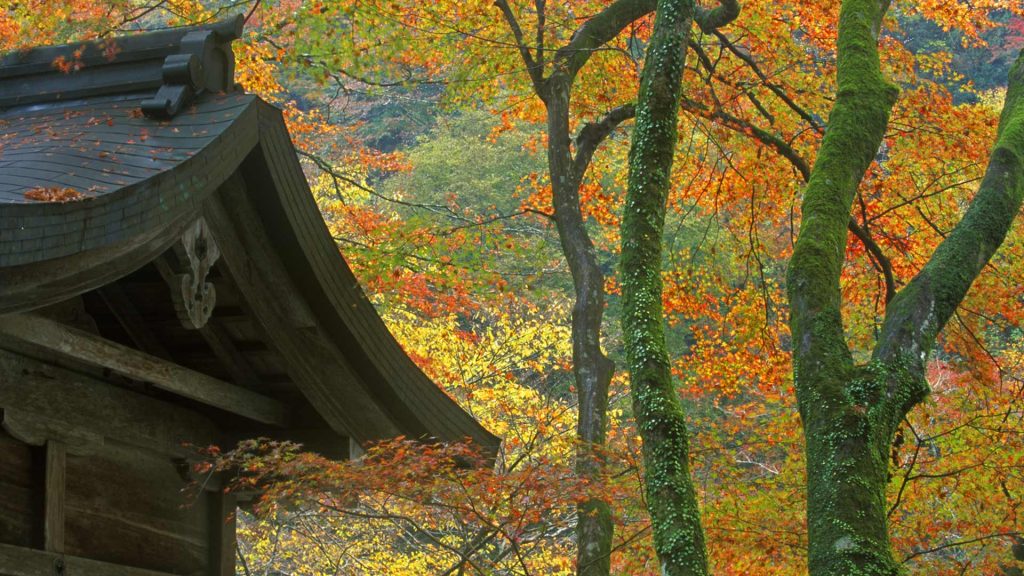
{"points": [[471, 280]]}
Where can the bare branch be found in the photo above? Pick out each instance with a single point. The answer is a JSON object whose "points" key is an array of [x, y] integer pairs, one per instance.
{"points": [[775, 88], [541, 6], [536, 72], [721, 15], [593, 134]]}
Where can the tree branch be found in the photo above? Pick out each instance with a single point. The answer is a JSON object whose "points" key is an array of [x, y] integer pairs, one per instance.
{"points": [[598, 31], [786, 150], [959, 543], [881, 261], [593, 134], [721, 15], [775, 88], [535, 71], [857, 125], [925, 305], [541, 6]]}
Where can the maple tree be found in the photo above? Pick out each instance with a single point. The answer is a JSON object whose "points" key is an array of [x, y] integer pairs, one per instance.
{"points": [[462, 516]]}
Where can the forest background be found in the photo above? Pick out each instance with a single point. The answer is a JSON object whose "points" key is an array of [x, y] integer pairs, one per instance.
{"points": [[425, 141]]}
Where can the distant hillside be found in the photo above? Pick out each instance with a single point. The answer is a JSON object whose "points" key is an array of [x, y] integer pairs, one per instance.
{"points": [[987, 67]]}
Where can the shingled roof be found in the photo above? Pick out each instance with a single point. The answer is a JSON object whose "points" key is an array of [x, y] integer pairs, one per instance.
{"points": [[117, 164]]}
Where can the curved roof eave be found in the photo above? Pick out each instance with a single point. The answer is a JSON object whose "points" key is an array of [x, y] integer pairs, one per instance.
{"points": [[335, 295], [137, 183], [91, 191]]}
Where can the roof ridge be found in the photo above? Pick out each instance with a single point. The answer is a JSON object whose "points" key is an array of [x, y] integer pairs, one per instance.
{"points": [[174, 65]]}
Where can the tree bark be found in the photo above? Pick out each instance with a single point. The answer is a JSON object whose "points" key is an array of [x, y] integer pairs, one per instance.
{"points": [[592, 370], [846, 476], [671, 498], [850, 412]]}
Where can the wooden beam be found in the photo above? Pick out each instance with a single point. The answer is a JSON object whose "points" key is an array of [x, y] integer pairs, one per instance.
{"points": [[322, 374], [227, 352], [83, 346], [54, 499], [18, 561], [40, 402], [36, 429], [216, 338], [355, 451]]}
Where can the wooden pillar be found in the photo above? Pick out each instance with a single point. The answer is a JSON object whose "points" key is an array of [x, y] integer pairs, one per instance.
{"points": [[53, 524], [355, 451], [223, 508]]}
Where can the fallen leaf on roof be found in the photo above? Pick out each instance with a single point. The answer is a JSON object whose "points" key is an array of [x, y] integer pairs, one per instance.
{"points": [[53, 194]]}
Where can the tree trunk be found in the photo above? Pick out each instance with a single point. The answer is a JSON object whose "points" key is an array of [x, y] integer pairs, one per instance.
{"points": [[592, 370], [671, 498], [851, 412], [848, 437]]}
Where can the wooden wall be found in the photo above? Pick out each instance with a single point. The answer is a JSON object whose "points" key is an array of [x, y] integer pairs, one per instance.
{"points": [[124, 469], [21, 493], [126, 506]]}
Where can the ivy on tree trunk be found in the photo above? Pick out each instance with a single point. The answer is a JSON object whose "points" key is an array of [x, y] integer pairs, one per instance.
{"points": [[671, 499]]}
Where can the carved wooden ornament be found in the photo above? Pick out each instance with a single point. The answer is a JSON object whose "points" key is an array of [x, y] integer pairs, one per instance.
{"points": [[195, 302]]}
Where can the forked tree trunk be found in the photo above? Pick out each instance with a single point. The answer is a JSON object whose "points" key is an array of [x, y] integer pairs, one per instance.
{"points": [[850, 412]]}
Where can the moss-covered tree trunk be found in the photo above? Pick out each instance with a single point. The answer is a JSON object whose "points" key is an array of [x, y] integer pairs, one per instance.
{"points": [[671, 499], [846, 474], [850, 412], [553, 73]]}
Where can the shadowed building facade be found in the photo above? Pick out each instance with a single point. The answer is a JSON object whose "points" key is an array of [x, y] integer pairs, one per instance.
{"points": [[166, 278]]}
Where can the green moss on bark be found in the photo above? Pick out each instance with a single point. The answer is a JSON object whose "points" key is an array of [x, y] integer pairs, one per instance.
{"points": [[847, 435], [848, 441], [672, 502], [849, 412], [920, 311]]}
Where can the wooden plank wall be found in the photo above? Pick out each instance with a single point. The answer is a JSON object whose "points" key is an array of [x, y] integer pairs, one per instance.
{"points": [[93, 471], [125, 506], [21, 493]]}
